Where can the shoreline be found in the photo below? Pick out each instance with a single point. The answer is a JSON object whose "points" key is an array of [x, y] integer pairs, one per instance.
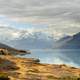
{"points": [[32, 69]]}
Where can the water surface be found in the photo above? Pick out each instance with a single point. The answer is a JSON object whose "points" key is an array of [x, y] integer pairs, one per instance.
{"points": [[56, 56]]}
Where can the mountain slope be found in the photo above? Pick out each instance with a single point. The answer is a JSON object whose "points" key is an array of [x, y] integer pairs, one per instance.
{"points": [[5, 49], [71, 42], [25, 39], [35, 40]]}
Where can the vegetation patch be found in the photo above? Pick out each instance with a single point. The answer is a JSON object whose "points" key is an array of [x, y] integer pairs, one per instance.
{"points": [[69, 77], [33, 70], [33, 77], [50, 77], [4, 76]]}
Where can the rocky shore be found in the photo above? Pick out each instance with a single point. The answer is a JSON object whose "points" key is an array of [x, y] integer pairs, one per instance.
{"points": [[31, 69]]}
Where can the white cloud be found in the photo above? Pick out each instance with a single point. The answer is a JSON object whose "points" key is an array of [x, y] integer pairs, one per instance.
{"points": [[63, 15]]}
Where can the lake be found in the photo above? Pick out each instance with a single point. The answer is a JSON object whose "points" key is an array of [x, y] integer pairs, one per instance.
{"points": [[56, 56]]}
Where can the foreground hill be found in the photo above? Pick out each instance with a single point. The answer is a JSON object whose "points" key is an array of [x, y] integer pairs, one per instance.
{"points": [[5, 49], [31, 69]]}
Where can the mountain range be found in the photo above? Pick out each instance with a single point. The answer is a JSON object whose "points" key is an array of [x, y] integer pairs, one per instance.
{"points": [[26, 39], [69, 42]]}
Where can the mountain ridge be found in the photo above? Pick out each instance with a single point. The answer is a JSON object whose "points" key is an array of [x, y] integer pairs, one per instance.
{"points": [[72, 43], [24, 38], [5, 49]]}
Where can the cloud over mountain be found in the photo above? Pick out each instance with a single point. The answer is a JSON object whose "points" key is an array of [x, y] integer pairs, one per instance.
{"points": [[17, 37]]}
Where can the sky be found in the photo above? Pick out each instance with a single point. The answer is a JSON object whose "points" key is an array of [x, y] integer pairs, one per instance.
{"points": [[62, 16]]}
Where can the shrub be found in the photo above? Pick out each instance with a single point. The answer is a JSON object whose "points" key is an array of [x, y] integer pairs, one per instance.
{"points": [[33, 70], [50, 77], [4, 76], [69, 77]]}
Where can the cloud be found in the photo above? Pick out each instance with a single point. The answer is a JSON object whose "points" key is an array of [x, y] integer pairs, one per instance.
{"points": [[61, 15], [40, 8]]}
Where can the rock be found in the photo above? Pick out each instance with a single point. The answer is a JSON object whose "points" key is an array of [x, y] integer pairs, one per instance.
{"points": [[36, 60], [4, 51]]}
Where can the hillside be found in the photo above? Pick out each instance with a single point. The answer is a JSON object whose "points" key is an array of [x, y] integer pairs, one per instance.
{"points": [[23, 39], [32, 69], [5, 49], [70, 42]]}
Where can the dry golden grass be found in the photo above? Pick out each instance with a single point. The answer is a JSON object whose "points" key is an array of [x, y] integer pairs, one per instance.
{"points": [[30, 69]]}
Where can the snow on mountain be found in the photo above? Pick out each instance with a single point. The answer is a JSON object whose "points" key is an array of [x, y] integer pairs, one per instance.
{"points": [[32, 38], [26, 38]]}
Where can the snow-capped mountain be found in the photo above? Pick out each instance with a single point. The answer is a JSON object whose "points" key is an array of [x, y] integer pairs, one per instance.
{"points": [[26, 38], [32, 39]]}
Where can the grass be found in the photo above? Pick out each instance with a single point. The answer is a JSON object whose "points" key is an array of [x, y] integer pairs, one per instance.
{"points": [[50, 77], [69, 77], [4, 76], [33, 70], [33, 77]]}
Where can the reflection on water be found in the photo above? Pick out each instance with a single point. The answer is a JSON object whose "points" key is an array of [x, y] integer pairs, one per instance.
{"points": [[70, 57]]}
